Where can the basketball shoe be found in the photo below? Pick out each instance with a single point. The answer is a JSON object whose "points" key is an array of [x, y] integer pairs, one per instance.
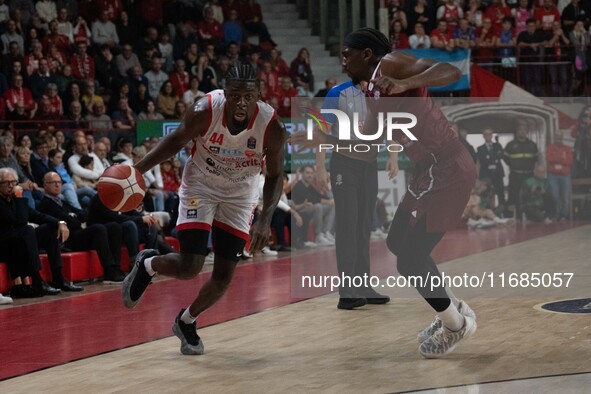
{"points": [[463, 308], [137, 281], [444, 340], [191, 344]]}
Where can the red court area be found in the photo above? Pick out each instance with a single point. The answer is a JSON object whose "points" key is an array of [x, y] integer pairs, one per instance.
{"points": [[62, 329]]}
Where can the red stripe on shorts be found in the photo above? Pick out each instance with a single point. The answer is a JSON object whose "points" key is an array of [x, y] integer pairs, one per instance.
{"points": [[231, 230], [193, 226]]}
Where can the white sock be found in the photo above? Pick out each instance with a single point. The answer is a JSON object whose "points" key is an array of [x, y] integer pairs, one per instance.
{"points": [[187, 318], [452, 319], [452, 297], [148, 265]]}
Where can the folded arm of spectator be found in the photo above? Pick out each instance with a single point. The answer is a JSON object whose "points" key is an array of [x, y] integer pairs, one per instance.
{"points": [[77, 169]]}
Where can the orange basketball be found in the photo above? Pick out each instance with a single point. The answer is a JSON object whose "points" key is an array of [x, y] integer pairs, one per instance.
{"points": [[121, 188]]}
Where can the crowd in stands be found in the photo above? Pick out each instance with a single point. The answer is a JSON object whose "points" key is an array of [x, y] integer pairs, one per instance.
{"points": [[76, 76], [104, 64], [504, 34], [538, 189]]}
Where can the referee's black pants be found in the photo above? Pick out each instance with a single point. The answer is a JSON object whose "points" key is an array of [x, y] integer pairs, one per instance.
{"points": [[355, 188]]}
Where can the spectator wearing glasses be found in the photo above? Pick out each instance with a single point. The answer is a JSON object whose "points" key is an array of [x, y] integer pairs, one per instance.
{"points": [[79, 195], [19, 242], [104, 239], [8, 160]]}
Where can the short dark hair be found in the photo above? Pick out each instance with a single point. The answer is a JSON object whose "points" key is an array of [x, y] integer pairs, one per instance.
{"points": [[39, 141], [85, 160], [243, 73]]}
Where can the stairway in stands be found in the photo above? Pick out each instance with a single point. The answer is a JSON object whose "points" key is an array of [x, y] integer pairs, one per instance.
{"points": [[291, 34]]}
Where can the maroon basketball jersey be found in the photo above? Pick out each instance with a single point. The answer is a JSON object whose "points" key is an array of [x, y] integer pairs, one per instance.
{"points": [[432, 129]]}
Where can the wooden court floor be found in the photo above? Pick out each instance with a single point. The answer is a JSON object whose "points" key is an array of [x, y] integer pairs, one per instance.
{"points": [[310, 346]]}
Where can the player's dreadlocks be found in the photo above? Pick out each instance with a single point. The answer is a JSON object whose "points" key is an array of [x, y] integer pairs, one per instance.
{"points": [[243, 73], [367, 37]]}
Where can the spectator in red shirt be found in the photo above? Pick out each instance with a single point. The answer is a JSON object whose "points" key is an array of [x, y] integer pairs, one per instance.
{"points": [[277, 63], [32, 60], [442, 37], [451, 13], [82, 32], [270, 77], [82, 64], [398, 38], [560, 159], [485, 41], [170, 178], [545, 16], [51, 94], [60, 41], [17, 93], [284, 94], [56, 59], [179, 78], [209, 30], [45, 116], [496, 11]]}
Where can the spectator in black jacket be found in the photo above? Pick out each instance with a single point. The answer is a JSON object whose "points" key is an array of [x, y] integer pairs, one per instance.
{"points": [[40, 79], [107, 72], [40, 159], [19, 242], [104, 239], [137, 227]]}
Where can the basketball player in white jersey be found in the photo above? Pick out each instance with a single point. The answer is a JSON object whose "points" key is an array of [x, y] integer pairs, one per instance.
{"points": [[234, 135]]}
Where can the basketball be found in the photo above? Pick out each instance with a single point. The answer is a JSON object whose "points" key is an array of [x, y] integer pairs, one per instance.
{"points": [[121, 188]]}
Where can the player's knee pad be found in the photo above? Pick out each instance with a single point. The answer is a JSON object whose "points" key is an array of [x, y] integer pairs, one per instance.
{"points": [[227, 246]]}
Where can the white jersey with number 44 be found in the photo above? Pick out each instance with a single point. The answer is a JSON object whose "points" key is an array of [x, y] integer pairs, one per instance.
{"points": [[225, 165]]}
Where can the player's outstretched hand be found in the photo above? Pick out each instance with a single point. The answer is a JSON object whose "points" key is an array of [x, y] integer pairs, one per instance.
{"points": [[259, 236], [388, 85], [392, 168]]}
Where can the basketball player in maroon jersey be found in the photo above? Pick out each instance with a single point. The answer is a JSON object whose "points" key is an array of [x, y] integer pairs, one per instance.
{"points": [[443, 179]]}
